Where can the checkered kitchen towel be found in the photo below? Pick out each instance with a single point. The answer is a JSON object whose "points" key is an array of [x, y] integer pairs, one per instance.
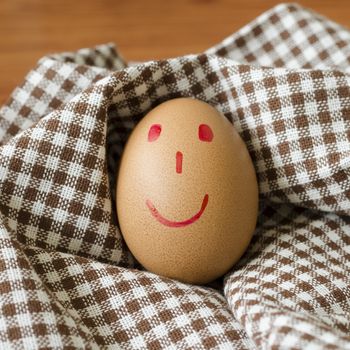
{"points": [[67, 279]]}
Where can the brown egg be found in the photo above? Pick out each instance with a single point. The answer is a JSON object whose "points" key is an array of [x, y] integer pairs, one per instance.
{"points": [[187, 194]]}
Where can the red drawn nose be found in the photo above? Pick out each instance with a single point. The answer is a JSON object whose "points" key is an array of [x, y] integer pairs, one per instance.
{"points": [[179, 157]]}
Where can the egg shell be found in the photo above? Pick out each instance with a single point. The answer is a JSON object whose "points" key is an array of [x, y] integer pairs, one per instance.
{"points": [[220, 169]]}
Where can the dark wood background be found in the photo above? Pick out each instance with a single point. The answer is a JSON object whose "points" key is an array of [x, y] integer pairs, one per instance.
{"points": [[142, 29]]}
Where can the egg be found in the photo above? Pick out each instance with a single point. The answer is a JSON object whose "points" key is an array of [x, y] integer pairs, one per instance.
{"points": [[187, 193]]}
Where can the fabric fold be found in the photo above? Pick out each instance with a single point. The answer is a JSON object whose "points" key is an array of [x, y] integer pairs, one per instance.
{"points": [[136, 309], [291, 287]]}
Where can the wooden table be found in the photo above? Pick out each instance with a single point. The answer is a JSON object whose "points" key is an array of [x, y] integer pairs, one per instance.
{"points": [[142, 29]]}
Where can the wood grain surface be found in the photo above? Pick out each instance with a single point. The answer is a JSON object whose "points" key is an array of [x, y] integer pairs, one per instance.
{"points": [[142, 30]]}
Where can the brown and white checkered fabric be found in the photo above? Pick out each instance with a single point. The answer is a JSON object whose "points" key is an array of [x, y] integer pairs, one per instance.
{"points": [[289, 36], [67, 279], [55, 81]]}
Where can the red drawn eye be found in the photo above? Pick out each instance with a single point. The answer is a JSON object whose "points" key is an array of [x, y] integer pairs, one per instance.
{"points": [[205, 133], [154, 132]]}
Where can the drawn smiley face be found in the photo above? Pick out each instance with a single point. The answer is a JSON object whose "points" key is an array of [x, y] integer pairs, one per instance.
{"points": [[186, 192], [205, 134]]}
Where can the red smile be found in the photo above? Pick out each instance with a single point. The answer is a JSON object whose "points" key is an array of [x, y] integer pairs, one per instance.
{"points": [[170, 223]]}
